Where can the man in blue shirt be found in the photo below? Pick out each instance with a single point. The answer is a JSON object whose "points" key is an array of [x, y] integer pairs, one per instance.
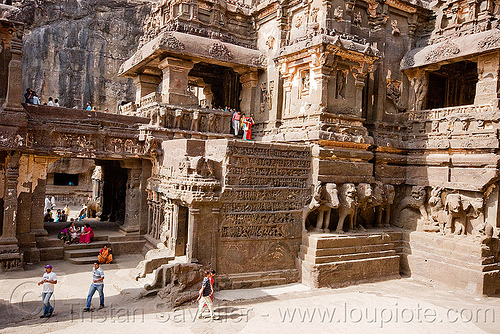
{"points": [[97, 285]]}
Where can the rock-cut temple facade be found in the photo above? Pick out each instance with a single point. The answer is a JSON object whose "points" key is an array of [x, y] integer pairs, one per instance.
{"points": [[374, 153]]}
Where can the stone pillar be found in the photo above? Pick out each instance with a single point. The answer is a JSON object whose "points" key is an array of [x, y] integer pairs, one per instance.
{"points": [[248, 81], [175, 82], [359, 83], [319, 91], [10, 201], [191, 250], [133, 197], [418, 89], [215, 235], [487, 84], [14, 85], [145, 84]]}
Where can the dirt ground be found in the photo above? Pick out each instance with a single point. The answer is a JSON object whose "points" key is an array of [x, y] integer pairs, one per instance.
{"points": [[397, 306]]}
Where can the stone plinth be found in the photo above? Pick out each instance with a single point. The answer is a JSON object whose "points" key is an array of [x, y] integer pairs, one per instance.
{"points": [[336, 260], [458, 263]]}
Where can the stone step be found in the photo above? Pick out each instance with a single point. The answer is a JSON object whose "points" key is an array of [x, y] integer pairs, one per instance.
{"points": [[81, 253], [473, 262], [120, 238], [345, 250], [346, 257], [257, 279], [82, 260], [453, 244], [93, 244], [338, 240], [344, 273], [48, 242], [51, 253]]}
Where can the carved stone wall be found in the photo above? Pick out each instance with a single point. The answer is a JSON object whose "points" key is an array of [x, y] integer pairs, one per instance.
{"points": [[265, 189]]}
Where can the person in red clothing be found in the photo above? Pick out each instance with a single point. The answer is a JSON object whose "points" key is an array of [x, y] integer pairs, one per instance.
{"points": [[247, 128]]}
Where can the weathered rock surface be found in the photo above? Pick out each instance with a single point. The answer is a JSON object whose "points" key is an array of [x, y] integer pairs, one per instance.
{"points": [[73, 49]]}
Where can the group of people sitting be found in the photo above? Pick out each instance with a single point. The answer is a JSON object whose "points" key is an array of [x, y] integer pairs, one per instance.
{"points": [[73, 234]]}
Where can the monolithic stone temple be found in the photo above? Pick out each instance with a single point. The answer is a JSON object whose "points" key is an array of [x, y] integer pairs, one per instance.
{"points": [[374, 153]]}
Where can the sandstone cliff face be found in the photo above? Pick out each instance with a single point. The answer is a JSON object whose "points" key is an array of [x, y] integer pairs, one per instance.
{"points": [[73, 49]]}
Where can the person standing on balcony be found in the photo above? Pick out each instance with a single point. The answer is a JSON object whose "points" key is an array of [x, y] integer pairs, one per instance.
{"points": [[236, 122]]}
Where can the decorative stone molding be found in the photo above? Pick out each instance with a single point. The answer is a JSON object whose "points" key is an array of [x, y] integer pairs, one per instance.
{"points": [[220, 51]]}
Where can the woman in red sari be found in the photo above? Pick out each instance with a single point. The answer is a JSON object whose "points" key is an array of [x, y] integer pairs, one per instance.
{"points": [[247, 128], [87, 234]]}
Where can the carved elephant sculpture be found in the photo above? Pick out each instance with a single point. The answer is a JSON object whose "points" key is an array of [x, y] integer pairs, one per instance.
{"points": [[456, 207], [347, 207]]}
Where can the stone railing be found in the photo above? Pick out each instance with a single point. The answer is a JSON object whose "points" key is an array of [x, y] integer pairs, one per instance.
{"points": [[150, 99], [472, 110], [191, 119], [129, 109]]}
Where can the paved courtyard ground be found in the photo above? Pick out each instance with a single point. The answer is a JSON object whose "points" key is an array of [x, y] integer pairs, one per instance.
{"points": [[397, 306]]}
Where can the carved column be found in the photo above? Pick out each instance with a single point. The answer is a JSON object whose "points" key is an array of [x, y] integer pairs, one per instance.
{"points": [[175, 82], [14, 85], [133, 197], [10, 201], [488, 81], [191, 250], [248, 81], [144, 85]]}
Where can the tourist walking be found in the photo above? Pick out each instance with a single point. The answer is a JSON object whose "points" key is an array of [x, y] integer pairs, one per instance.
{"points": [[48, 281], [205, 293], [97, 285]]}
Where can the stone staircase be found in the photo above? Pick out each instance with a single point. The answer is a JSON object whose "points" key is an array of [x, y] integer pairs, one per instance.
{"points": [[53, 249], [257, 279], [336, 260]]}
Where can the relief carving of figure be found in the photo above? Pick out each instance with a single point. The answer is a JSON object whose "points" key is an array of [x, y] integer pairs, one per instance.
{"points": [[357, 18], [195, 120], [211, 122], [383, 197], [348, 204], [415, 201], [338, 13], [456, 207], [365, 198], [177, 118], [437, 215], [395, 28], [329, 201]]}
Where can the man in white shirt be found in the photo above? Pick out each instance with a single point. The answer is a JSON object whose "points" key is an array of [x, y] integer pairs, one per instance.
{"points": [[97, 285], [48, 281], [50, 103]]}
